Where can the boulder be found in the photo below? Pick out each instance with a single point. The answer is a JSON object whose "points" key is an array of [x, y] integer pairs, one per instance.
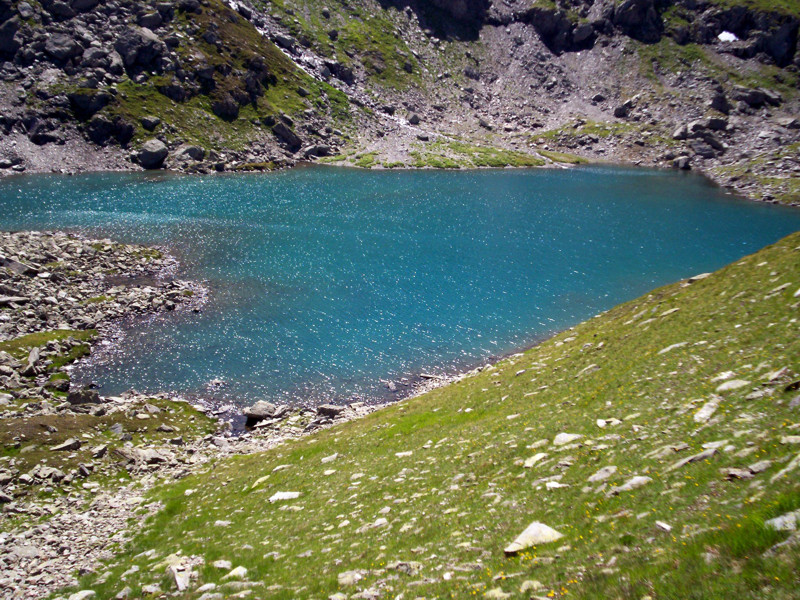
{"points": [[84, 5], [225, 107], [752, 97], [8, 42], [684, 163], [287, 136], [330, 410], [86, 101], [639, 20], [150, 122], [316, 150], [60, 9], [69, 445], [189, 152], [151, 20], [260, 410], [84, 396], [94, 58], [17, 267], [152, 154], [138, 46], [62, 47], [464, 10]]}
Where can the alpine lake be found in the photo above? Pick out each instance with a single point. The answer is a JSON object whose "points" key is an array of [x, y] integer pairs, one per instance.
{"points": [[325, 284]]}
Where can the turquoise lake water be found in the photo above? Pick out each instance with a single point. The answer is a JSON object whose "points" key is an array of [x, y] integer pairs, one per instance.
{"points": [[325, 283]]}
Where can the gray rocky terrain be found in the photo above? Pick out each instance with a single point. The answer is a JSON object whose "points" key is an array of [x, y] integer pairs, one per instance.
{"points": [[202, 85]]}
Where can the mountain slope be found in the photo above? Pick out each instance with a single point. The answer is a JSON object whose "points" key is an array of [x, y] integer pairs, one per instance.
{"points": [[398, 84], [657, 438]]}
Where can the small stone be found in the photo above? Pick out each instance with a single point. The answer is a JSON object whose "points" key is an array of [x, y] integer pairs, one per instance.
{"points": [[565, 438], [530, 462], [732, 473], [760, 466], [349, 578], [237, 573], [786, 522], [69, 445], [278, 496], [632, 484], [496, 594], [222, 564], [82, 595], [530, 585], [603, 474], [152, 589], [733, 384], [536, 533], [330, 410], [708, 409], [661, 525]]}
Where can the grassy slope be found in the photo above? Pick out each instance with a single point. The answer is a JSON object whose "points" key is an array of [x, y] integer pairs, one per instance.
{"points": [[367, 33], [192, 120], [462, 493], [785, 7]]}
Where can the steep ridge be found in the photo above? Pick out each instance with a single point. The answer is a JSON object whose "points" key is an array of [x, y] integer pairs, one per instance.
{"points": [[708, 85], [656, 445]]}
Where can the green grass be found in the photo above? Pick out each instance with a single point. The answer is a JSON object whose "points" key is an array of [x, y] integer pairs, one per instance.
{"points": [[785, 7], [443, 154], [96, 300], [563, 157], [367, 35], [463, 492], [667, 56], [20, 347], [366, 160], [241, 47], [39, 433]]}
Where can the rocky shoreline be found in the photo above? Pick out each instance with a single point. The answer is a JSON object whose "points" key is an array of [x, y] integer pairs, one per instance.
{"points": [[75, 465]]}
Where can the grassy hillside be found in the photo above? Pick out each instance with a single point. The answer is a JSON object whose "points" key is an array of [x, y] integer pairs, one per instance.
{"points": [[691, 388]]}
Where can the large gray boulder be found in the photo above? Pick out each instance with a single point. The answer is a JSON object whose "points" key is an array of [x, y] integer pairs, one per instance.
{"points": [[287, 136], [152, 154], [259, 411], [84, 396], [138, 46], [189, 152], [62, 47], [639, 19]]}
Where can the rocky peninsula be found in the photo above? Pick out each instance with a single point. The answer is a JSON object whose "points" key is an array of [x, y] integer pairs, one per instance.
{"points": [[75, 464]]}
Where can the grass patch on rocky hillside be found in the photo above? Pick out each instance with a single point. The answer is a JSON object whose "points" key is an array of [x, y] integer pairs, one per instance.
{"points": [[21, 346], [192, 120], [442, 154], [669, 57], [692, 387], [29, 440], [563, 157], [785, 7], [367, 33]]}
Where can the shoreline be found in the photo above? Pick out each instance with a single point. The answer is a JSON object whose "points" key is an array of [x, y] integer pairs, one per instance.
{"points": [[183, 170], [66, 448]]}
